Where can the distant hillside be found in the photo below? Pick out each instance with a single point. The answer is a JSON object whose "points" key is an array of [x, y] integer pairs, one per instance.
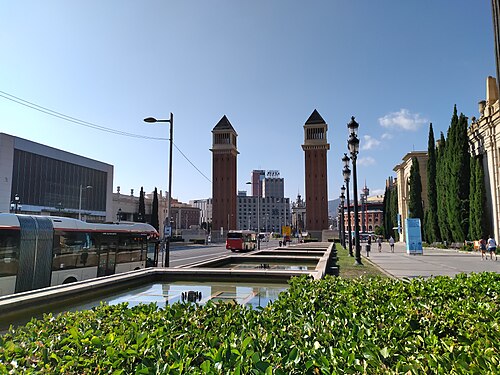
{"points": [[332, 207]]}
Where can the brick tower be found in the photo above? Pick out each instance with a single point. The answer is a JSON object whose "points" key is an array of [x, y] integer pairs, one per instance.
{"points": [[315, 147], [224, 189]]}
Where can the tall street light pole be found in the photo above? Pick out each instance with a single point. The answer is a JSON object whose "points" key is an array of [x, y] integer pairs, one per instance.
{"points": [[346, 172], [80, 200], [258, 217], [342, 223], [353, 144], [168, 231]]}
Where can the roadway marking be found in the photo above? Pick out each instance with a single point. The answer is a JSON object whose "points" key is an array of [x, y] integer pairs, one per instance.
{"points": [[195, 257]]}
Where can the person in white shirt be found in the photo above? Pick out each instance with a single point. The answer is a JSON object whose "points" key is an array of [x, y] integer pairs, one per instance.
{"points": [[391, 242], [492, 247]]}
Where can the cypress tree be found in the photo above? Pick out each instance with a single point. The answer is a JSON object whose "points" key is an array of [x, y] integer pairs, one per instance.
{"points": [[441, 189], [394, 212], [154, 211], [474, 227], [415, 196], [464, 174], [458, 178], [482, 210], [142, 206], [386, 214], [452, 198], [431, 220]]}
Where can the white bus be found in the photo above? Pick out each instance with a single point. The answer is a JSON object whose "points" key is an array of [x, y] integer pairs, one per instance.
{"points": [[41, 251]]}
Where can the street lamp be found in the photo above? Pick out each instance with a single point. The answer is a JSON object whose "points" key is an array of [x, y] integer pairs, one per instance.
{"points": [[258, 217], [342, 200], [346, 172], [168, 229], [80, 200], [353, 144], [16, 203], [364, 207]]}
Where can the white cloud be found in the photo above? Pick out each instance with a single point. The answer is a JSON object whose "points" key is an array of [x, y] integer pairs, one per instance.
{"points": [[366, 161], [402, 120], [369, 143], [386, 136]]}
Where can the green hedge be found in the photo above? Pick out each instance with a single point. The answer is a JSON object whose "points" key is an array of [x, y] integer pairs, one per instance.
{"points": [[375, 326]]}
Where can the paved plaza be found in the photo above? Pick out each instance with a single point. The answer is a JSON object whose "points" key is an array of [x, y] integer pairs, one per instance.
{"points": [[433, 262]]}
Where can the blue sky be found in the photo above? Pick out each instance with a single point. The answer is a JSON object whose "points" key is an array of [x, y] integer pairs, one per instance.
{"points": [[265, 64]]}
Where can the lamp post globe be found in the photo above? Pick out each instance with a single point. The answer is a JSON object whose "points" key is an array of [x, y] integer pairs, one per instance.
{"points": [[16, 203], [353, 126], [346, 160]]}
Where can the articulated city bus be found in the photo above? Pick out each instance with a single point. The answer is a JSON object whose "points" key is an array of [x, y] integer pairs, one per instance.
{"points": [[41, 251], [241, 240]]}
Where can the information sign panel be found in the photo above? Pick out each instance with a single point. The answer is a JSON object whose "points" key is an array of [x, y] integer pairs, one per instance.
{"points": [[167, 231], [413, 236]]}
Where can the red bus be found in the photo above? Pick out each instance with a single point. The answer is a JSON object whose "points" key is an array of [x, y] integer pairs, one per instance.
{"points": [[244, 240]]}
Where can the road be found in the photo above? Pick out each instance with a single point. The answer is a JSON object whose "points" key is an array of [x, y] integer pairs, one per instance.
{"points": [[183, 254]]}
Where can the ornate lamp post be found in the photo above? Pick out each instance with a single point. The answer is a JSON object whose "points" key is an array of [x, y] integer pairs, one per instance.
{"points": [[167, 227], [353, 144], [364, 204], [16, 204], [342, 197], [346, 172]]}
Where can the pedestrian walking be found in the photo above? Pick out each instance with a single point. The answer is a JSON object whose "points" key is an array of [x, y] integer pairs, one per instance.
{"points": [[379, 242], [482, 247], [368, 246], [391, 242], [492, 247]]}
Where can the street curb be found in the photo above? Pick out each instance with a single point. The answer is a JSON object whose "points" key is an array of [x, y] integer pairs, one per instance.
{"points": [[388, 274]]}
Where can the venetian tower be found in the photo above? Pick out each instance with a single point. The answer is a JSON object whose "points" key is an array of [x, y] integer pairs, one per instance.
{"points": [[315, 147], [224, 189]]}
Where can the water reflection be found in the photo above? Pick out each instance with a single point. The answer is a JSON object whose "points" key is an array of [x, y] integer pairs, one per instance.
{"points": [[254, 294]]}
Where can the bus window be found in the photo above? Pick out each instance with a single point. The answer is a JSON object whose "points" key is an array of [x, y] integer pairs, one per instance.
{"points": [[152, 254], [130, 248], [9, 252], [68, 250]]}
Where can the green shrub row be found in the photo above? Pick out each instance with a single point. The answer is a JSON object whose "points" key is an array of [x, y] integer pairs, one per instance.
{"points": [[330, 326]]}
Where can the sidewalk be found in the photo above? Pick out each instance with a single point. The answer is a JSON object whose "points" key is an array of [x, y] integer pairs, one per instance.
{"points": [[433, 262]]}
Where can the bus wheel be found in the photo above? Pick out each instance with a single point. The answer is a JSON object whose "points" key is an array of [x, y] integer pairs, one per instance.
{"points": [[70, 280]]}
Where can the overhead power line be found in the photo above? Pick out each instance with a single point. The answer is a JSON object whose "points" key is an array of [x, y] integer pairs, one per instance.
{"points": [[74, 120], [87, 124]]}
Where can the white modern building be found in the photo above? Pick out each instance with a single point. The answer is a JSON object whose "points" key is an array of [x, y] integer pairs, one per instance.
{"points": [[38, 179]]}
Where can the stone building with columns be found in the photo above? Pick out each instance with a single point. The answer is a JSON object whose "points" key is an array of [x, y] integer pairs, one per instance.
{"points": [[484, 143], [403, 184]]}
